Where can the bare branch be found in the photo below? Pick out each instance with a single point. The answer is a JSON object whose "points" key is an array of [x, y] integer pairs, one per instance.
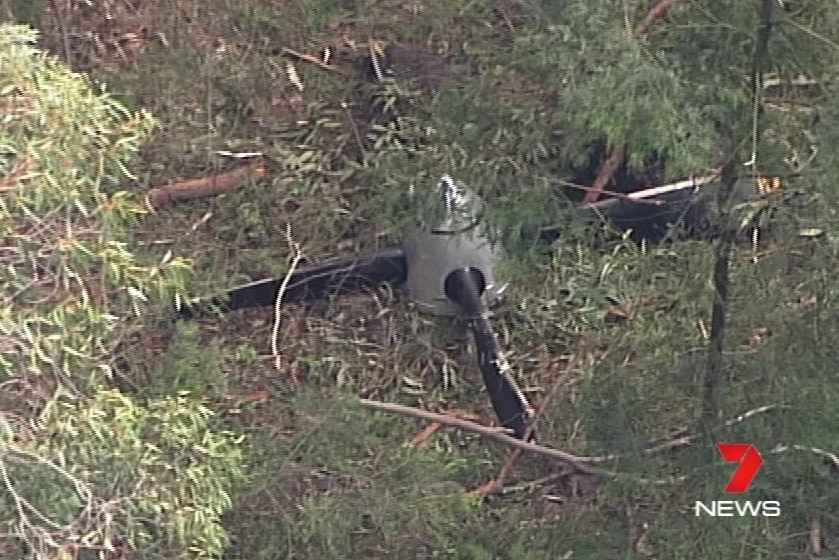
{"points": [[604, 175], [204, 186], [832, 458], [572, 462], [297, 256]]}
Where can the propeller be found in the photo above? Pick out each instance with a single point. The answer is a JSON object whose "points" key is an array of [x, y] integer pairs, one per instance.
{"points": [[648, 214], [447, 266]]}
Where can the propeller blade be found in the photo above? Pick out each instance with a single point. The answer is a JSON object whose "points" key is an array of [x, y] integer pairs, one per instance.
{"points": [[309, 283], [650, 213], [464, 286]]}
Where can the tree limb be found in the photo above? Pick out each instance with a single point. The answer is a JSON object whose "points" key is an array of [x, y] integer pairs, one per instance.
{"points": [[204, 186], [571, 462], [715, 363], [605, 174]]}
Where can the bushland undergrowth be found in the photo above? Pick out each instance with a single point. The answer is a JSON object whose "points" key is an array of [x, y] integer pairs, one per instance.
{"points": [[509, 100]]}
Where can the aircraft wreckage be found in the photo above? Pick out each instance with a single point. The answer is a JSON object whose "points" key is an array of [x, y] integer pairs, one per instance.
{"points": [[447, 266]]}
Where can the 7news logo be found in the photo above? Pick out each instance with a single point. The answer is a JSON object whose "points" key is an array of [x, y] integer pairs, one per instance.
{"points": [[750, 461]]}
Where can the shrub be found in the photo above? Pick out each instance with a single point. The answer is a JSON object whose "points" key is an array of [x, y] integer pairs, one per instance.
{"points": [[84, 467]]}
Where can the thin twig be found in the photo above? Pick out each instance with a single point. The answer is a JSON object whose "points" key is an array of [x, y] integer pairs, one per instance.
{"points": [[18, 170], [552, 392], [833, 458], [496, 485], [686, 439], [354, 126], [721, 280], [713, 377], [58, 10], [567, 459], [759, 66], [531, 484], [297, 255]]}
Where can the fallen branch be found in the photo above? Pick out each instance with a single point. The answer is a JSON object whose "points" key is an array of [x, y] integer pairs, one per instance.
{"points": [[430, 429], [683, 439], [607, 171], [204, 186], [829, 457], [297, 256], [572, 462]]}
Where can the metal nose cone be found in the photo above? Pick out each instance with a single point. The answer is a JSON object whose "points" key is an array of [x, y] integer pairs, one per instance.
{"points": [[450, 208], [450, 237]]}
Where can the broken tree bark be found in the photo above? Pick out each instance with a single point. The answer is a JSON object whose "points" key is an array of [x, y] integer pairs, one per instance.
{"points": [[607, 171], [204, 186]]}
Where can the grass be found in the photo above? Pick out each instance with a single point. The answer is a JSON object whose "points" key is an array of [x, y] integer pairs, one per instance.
{"points": [[332, 480]]}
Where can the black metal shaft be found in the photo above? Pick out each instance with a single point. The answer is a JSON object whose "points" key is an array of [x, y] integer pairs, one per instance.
{"points": [[464, 286], [310, 283]]}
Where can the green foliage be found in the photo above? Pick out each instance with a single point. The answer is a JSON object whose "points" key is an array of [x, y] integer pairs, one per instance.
{"points": [[190, 366], [29, 12], [533, 84], [110, 473], [364, 491], [83, 467], [72, 282], [681, 88]]}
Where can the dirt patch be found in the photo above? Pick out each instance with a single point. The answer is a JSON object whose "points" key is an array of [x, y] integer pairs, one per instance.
{"points": [[88, 35]]}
